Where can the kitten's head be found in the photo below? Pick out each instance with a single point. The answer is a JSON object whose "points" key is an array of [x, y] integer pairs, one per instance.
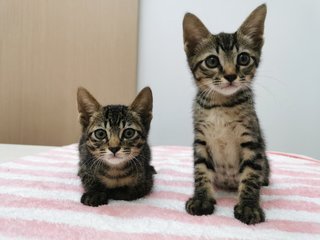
{"points": [[115, 134], [224, 63]]}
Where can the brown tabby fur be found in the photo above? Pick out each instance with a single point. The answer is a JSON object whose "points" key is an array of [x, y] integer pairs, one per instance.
{"points": [[114, 152], [229, 150]]}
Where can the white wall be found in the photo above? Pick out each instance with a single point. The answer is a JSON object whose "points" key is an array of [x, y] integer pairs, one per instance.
{"points": [[288, 81]]}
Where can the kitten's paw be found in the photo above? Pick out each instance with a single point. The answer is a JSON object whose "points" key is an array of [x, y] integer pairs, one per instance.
{"points": [[249, 214], [200, 206], [94, 199]]}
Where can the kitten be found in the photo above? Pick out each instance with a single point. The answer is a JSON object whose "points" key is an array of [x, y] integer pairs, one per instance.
{"points": [[229, 150], [114, 152]]}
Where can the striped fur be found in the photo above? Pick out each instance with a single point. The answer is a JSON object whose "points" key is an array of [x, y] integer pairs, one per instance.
{"points": [[229, 150], [114, 153]]}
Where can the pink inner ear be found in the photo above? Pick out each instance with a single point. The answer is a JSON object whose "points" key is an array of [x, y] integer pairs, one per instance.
{"points": [[87, 104], [253, 26], [194, 31], [143, 102]]}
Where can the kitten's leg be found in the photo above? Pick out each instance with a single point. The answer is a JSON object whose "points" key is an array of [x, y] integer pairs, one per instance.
{"points": [[95, 193], [253, 161], [129, 193], [202, 202]]}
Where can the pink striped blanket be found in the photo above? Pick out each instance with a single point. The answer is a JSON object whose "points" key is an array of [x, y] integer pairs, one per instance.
{"points": [[40, 199]]}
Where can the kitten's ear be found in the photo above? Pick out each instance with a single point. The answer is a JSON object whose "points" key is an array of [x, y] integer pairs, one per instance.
{"points": [[142, 104], [87, 105], [194, 31], [253, 27]]}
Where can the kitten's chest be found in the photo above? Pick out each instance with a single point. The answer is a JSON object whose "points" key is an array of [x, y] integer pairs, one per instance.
{"points": [[222, 138], [114, 178], [221, 132]]}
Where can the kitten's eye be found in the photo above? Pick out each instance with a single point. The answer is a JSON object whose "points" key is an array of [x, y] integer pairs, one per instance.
{"points": [[243, 59], [129, 133], [100, 134], [212, 61]]}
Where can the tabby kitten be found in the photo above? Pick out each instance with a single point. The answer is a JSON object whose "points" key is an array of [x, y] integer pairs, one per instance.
{"points": [[229, 150], [114, 152]]}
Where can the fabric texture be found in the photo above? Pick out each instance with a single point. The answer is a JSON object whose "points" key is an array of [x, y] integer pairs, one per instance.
{"points": [[40, 199]]}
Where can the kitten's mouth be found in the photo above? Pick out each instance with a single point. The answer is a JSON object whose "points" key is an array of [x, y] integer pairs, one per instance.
{"points": [[228, 89], [114, 160], [230, 86]]}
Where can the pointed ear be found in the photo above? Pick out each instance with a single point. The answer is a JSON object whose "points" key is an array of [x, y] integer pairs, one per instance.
{"points": [[253, 27], [194, 31], [142, 104], [87, 105]]}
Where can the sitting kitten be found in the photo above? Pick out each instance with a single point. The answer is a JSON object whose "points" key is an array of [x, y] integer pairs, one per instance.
{"points": [[229, 150], [114, 153]]}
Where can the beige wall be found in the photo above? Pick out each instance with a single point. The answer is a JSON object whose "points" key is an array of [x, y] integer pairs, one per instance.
{"points": [[48, 49]]}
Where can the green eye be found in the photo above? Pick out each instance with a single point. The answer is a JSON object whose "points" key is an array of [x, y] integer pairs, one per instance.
{"points": [[100, 134], [243, 59], [212, 61], [129, 133]]}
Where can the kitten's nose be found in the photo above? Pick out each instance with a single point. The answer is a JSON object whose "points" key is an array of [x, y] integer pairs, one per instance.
{"points": [[114, 150], [230, 77]]}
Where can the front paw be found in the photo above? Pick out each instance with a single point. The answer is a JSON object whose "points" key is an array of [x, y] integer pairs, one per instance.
{"points": [[94, 199], [200, 206], [248, 213]]}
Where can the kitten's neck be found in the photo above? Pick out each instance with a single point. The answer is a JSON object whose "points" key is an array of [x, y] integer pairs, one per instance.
{"points": [[217, 99]]}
